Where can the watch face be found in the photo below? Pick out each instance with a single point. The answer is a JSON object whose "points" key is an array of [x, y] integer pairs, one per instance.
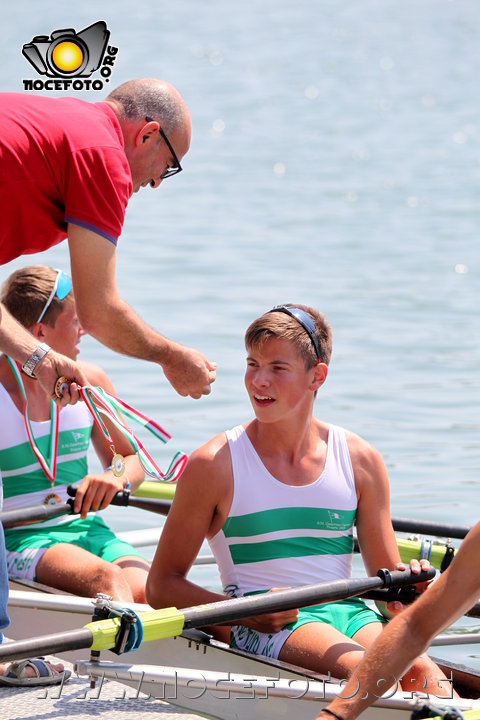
{"points": [[29, 366]]}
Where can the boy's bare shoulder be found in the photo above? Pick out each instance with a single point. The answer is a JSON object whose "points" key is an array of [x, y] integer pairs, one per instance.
{"points": [[363, 454], [208, 478], [213, 457]]}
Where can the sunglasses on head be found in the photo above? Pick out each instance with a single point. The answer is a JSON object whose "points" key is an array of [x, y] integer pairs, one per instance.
{"points": [[61, 288]]}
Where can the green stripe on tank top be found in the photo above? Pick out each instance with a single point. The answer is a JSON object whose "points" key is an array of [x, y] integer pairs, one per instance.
{"points": [[68, 472], [294, 518], [69, 442], [290, 547]]}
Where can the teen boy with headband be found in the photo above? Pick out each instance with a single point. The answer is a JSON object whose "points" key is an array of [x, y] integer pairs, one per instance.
{"points": [[276, 498]]}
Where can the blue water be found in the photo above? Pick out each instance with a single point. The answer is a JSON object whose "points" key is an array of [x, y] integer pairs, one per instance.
{"points": [[335, 162]]}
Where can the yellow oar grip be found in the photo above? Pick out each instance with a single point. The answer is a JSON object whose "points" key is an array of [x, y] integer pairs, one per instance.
{"points": [[410, 549], [157, 624], [160, 490]]}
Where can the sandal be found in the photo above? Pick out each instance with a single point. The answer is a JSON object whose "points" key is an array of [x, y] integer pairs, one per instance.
{"points": [[45, 674]]}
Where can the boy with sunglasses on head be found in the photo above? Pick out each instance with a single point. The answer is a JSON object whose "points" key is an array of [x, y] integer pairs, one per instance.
{"points": [[80, 555], [276, 498]]}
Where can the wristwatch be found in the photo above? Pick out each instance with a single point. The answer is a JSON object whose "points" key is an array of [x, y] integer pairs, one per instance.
{"points": [[29, 365]]}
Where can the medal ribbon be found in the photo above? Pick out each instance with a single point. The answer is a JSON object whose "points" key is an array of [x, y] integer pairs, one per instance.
{"points": [[49, 464], [99, 402]]}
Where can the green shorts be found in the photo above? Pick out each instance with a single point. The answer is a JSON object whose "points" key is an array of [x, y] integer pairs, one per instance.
{"points": [[346, 616], [26, 547]]}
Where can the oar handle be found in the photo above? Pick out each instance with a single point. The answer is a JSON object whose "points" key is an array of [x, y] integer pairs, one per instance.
{"points": [[33, 514], [230, 611], [406, 595], [124, 499], [40, 513]]}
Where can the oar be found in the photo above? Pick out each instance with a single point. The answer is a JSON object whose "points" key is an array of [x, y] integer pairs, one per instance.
{"points": [[161, 507], [40, 513], [34, 513], [124, 499], [428, 527], [158, 624]]}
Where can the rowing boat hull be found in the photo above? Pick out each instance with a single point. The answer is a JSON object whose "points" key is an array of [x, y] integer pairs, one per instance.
{"points": [[194, 671], [241, 696]]}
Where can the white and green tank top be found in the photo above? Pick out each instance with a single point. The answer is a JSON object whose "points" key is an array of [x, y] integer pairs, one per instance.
{"points": [[24, 482], [280, 535]]}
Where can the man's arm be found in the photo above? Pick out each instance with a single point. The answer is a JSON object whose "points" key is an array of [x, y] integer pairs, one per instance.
{"points": [[20, 344], [410, 633], [103, 314]]}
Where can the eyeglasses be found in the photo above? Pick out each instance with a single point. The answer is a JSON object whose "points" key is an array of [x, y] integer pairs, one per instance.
{"points": [[61, 288], [176, 168], [304, 320]]}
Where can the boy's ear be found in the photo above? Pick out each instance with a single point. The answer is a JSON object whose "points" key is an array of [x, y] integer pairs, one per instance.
{"points": [[37, 331], [320, 375]]}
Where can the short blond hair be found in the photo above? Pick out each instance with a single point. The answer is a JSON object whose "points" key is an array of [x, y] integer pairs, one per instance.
{"points": [[25, 292], [283, 326]]}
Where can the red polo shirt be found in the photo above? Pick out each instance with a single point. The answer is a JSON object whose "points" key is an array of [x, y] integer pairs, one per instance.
{"points": [[62, 161]]}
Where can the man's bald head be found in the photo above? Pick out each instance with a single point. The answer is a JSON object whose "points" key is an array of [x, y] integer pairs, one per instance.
{"points": [[156, 128], [148, 97]]}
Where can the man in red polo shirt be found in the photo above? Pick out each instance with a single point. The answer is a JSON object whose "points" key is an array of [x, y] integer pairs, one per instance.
{"points": [[67, 170]]}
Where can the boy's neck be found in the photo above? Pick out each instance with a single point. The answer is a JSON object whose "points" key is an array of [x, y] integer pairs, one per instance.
{"points": [[292, 456]]}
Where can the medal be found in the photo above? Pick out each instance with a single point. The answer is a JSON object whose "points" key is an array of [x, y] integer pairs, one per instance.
{"points": [[118, 465], [61, 386], [101, 403], [52, 499]]}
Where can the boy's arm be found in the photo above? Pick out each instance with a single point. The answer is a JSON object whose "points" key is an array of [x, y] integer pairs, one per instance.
{"points": [[374, 526], [196, 513], [410, 633]]}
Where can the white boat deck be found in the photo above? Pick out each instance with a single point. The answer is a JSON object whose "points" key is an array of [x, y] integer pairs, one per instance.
{"points": [[75, 700]]}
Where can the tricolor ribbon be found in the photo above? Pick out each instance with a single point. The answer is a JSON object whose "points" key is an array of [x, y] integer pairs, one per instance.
{"points": [[99, 402], [49, 463]]}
